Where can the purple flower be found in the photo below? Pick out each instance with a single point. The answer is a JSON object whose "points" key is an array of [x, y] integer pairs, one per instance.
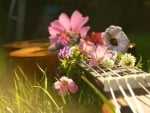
{"points": [[64, 52]]}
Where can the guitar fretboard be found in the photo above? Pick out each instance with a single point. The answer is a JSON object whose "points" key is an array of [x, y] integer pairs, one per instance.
{"points": [[133, 86]]}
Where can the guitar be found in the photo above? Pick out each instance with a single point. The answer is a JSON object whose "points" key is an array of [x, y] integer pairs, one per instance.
{"points": [[128, 89]]}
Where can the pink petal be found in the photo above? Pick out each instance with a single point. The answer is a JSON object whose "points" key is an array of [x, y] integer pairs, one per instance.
{"points": [[55, 28], [80, 24], [63, 91], [77, 20], [57, 24], [93, 62], [83, 31], [72, 87], [84, 21], [100, 51], [85, 46], [53, 39], [53, 31], [108, 55], [63, 78], [65, 21], [57, 85]]}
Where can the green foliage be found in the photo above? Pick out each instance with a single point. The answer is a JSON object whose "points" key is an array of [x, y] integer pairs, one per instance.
{"points": [[68, 66], [119, 55], [40, 97], [100, 94], [139, 63]]}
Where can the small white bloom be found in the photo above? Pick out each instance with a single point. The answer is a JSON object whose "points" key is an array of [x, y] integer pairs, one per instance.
{"points": [[107, 63], [116, 39], [127, 60], [72, 50]]}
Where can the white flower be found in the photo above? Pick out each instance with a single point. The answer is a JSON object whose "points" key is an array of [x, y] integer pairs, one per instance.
{"points": [[73, 49], [107, 63], [116, 39], [127, 60]]}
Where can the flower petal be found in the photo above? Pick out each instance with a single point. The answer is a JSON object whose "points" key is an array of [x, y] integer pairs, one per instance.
{"points": [[63, 78], [65, 21], [57, 85], [77, 20], [55, 28], [72, 86], [83, 31], [53, 31], [63, 91], [53, 39], [93, 62], [100, 51]]}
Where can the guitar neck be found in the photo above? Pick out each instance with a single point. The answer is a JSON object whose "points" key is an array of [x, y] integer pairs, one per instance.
{"points": [[128, 89]]}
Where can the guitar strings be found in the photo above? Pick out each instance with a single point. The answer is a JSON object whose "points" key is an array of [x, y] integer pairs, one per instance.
{"points": [[120, 87]]}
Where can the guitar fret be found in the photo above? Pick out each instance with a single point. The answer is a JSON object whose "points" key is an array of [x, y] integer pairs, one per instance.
{"points": [[131, 83]]}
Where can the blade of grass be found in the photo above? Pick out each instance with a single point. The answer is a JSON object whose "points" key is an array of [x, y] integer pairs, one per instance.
{"points": [[44, 75], [139, 63], [49, 95], [102, 97]]}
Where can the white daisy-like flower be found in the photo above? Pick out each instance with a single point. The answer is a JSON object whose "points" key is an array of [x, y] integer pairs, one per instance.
{"points": [[127, 60], [73, 49], [116, 39], [107, 63]]}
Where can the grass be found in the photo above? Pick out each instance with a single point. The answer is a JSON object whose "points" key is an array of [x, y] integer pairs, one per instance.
{"points": [[40, 97]]}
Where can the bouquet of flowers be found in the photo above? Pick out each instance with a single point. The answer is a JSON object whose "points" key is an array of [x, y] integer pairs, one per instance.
{"points": [[70, 37]]}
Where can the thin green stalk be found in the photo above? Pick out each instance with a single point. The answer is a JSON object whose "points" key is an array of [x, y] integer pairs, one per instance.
{"points": [[48, 94], [139, 63], [26, 102], [70, 67], [45, 77], [63, 99], [80, 96], [104, 99], [23, 74], [20, 86]]}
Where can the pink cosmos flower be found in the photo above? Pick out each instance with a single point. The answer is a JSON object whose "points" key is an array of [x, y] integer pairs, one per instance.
{"points": [[64, 84], [98, 55], [68, 26], [86, 47]]}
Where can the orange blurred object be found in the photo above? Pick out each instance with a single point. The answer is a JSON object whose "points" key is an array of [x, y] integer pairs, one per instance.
{"points": [[105, 109]]}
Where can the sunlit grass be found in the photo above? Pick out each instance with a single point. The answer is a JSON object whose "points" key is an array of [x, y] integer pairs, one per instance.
{"points": [[40, 97]]}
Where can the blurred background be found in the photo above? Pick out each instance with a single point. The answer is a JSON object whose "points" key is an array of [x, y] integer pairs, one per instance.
{"points": [[29, 19], [37, 14]]}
